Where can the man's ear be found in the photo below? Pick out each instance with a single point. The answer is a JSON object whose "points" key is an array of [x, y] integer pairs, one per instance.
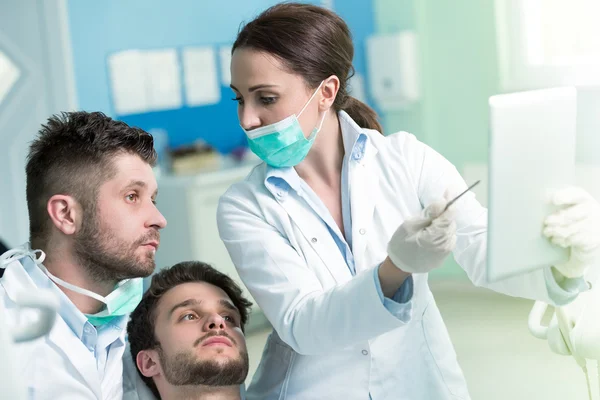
{"points": [[65, 213], [148, 363]]}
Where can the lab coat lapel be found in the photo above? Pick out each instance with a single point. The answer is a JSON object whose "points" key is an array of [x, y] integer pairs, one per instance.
{"points": [[364, 192], [17, 280], [317, 234]]}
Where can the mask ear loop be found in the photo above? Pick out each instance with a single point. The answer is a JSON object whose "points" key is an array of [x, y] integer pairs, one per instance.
{"points": [[317, 130], [39, 259], [9, 256], [38, 256], [73, 288], [309, 100]]}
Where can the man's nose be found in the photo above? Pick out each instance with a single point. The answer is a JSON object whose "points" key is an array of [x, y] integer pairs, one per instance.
{"points": [[215, 322], [157, 221]]}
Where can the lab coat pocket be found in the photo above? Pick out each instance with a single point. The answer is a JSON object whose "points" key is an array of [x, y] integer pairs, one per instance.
{"points": [[441, 351], [277, 360]]}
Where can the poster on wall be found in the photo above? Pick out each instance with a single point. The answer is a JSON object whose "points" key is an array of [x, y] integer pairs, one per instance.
{"points": [[200, 76], [143, 81]]}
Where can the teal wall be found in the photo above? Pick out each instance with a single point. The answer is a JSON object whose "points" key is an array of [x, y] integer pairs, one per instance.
{"points": [[459, 72]]}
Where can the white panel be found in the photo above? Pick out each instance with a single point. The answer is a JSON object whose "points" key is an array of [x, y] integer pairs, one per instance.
{"points": [[163, 79], [588, 126], [143, 81], [532, 152], [128, 82], [200, 72], [9, 74], [225, 59], [393, 69]]}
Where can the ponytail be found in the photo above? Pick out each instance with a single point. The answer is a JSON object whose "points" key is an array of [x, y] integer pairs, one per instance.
{"points": [[362, 114]]}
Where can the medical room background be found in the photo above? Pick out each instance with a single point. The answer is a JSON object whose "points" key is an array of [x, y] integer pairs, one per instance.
{"points": [[426, 66]]}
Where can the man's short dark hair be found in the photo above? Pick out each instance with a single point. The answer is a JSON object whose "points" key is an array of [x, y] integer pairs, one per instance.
{"points": [[140, 328], [72, 155]]}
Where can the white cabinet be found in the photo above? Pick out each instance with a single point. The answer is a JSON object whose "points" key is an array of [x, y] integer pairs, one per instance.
{"points": [[189, 203]]}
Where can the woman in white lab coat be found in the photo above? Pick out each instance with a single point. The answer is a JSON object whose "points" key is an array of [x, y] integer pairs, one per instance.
{"points": [[335, 233]]}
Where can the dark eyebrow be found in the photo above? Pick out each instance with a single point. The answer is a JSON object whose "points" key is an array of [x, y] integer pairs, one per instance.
{"points": [[185, 303], [228, 305], [255, 87], [142, 184]]}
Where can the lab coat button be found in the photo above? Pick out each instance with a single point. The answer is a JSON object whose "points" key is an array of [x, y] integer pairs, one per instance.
{"points": [[314, 240], [365, 352], [362, 231]]}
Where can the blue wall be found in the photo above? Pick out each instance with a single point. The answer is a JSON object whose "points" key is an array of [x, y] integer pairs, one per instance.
{"points": [[101, 28]]}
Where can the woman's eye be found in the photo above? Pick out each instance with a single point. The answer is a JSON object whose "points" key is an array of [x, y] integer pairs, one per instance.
{"points": [[238, 99], [132, 198], [268, 100]]}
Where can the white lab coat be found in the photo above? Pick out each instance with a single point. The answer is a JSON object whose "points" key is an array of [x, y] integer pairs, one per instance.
{"points": [[333, 338], [58, 366]]}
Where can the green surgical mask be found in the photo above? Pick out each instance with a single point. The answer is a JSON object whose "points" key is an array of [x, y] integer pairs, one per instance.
{"points": [[283, 143]]}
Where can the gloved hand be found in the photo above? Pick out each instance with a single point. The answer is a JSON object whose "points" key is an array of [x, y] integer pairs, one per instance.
{"points": [[576, 227], [422, 243]]}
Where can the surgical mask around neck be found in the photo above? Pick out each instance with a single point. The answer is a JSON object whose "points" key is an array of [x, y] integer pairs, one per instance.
{"points": [[283, 144], [121, 301]]}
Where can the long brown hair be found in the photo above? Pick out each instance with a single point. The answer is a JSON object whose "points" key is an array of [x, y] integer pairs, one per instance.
{"points": [[312, 42]]}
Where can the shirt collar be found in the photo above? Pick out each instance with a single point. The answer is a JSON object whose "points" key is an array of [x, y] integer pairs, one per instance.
{"points": [[279, 181], [355, 140]]}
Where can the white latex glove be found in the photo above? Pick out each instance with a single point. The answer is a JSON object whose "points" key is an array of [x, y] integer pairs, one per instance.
{"points": [[422, 243], [576, 227]]}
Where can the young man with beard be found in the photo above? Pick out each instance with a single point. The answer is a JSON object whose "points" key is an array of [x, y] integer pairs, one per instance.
{"points": [[187, 334], [94, 230]]}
